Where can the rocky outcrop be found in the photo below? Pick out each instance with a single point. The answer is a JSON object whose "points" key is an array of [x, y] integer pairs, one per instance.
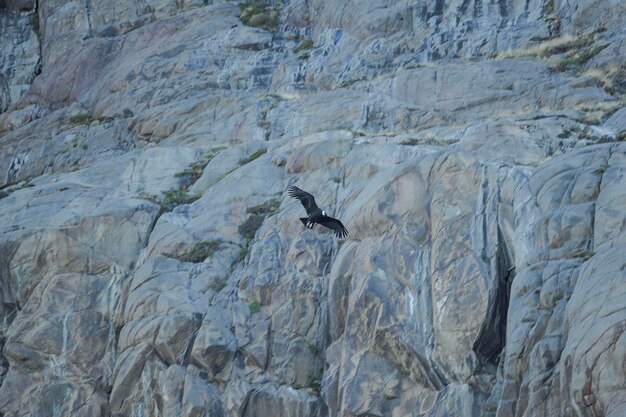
{"points": [[19, 47], [151, 263]]}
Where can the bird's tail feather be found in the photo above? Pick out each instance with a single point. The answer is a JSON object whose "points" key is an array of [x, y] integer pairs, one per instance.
{"points": [[305, 222]]}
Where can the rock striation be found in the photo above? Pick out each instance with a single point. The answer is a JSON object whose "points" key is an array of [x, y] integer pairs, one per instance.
{"points": [[151, 263]]}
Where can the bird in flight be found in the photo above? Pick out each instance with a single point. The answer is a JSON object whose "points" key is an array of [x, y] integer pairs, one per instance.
{"points": [[316, 215]]}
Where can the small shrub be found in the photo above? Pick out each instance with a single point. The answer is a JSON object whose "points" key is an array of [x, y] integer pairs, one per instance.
{"points": [[611, 77], [255, 306], [410, 142], [315, 379], [273, 98], [243, 252], [34, 21], [150, 197], [567, 132], [584, 254], [307, 44], [81, 119], [550, 47], [198, 252], [219, 286], [87, 119], [252, 157], [594, 113], [175, 197], [601, 169], [577, 59], [257, 14], [192, 173], [248, 228]]}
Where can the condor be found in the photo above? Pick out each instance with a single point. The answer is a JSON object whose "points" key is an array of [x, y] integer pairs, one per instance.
{"points": [[316, 215]]}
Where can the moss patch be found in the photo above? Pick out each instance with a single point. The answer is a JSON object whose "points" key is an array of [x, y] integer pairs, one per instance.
{"points": [[255, 306]]}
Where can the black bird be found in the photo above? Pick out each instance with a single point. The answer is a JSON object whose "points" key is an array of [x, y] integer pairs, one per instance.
{"points": [[316, 215]]}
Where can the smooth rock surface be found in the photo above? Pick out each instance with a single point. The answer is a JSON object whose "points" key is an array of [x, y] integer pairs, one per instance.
{"points": [[151, 262]]}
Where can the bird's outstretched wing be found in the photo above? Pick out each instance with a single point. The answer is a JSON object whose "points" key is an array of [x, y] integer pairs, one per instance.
{"points": [[336, 225], [305, 198]]}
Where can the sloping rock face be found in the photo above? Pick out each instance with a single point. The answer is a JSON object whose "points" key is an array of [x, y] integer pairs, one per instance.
{"points": [[152, 264]]}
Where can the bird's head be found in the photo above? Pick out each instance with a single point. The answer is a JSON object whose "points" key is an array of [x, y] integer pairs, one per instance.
{"points": [[324, 213]]}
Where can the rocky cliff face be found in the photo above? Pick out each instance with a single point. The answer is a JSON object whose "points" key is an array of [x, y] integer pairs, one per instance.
{"points": [[152, 265]]}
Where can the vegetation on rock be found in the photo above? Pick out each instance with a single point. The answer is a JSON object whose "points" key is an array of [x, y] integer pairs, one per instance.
{"points": [[192, 173], [249, 227], [87, 119], [304, 45], [258, 14], [198, 252], [253, 156], [176, 197], [255, 306]]}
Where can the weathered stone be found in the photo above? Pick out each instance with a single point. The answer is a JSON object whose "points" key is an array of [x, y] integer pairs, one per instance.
{"points": [[214, 346], [19, 4], [458, 400], [19, 47], [271, 401], [200, 399], [473, 151], [596, 334]]}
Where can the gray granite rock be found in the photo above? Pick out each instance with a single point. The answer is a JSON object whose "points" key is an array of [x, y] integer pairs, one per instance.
{"points": [[151, 262]]}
